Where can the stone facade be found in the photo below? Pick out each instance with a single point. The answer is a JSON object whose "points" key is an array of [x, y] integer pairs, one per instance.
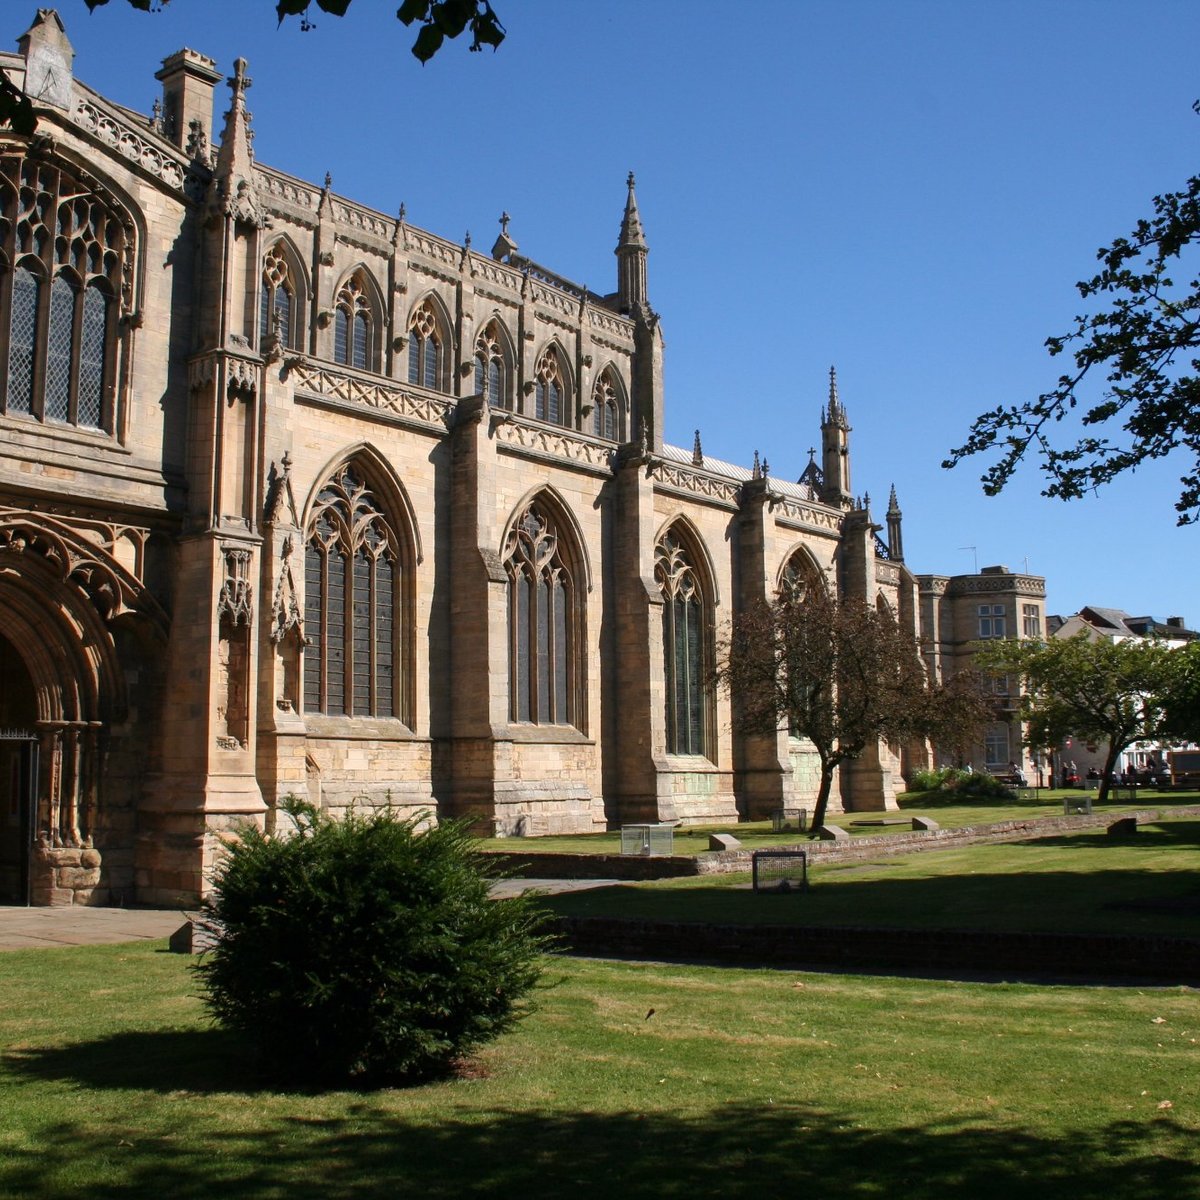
{"points": [[297, 498]]}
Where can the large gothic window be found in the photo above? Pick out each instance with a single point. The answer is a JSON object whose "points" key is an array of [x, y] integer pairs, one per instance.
{"points": [[606, 411], [352, 604], [277, 301], [541, 621], [66, 262], [352, 342], [491, 367], [550, 391], [425, 348], [685, 646]]}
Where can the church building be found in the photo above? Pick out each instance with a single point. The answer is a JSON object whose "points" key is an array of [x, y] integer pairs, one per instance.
{"points": [[298, 498]]}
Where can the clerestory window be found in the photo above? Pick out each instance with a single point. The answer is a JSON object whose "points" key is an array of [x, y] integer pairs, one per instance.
{"points": [[425, 348], [352, 340], [277, 301], [491, 367]]}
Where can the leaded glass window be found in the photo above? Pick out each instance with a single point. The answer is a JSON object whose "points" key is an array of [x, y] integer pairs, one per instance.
{"points": [[352, 603], [685, 647], [352, 326], [72, 263], [424, 347], [550, 394], [276, 300], [491, 367], [606, 414], [541, 598]]}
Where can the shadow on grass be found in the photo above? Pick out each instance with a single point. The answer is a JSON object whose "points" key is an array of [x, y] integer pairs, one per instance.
{"points": [[162, 1060], [1149, 838], [751, 1151]]}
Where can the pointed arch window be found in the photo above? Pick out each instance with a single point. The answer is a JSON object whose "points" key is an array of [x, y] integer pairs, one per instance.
{"points": [[65, 258], [606, 410], [491, 367], [352, 604], [799, 579], [277, 300], [352, 331], [541, 622], [550, 392], [686, 650], [425, 347]]}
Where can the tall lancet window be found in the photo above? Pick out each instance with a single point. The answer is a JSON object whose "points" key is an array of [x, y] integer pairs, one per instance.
{"points": [[541, 621], [66, 260], [686, 650], [550, 392], [352, 603], [606, 412], [425, 348], [352, 341], [277, 300], [491, 367], [799, 580]]}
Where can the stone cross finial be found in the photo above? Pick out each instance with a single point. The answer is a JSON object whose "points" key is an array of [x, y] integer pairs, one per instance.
{"points": [[504, 220], [240, 81]]}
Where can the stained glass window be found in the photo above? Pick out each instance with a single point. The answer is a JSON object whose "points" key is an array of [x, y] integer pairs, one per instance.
{"points": [[351, 581], [540, 621], [685, 647]]}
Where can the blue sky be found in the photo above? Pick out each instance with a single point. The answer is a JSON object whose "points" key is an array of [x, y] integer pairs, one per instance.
{"points": [[906, 189]]}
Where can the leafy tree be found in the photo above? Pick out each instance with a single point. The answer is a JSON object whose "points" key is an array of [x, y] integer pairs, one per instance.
{"points": [[437, 19], [844, 676], [1147, 345], [1183, 694], [364, 950], [1094, 690]]}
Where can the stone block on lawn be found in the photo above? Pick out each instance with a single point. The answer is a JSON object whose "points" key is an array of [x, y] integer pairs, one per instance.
{"points": [[1125, 827], [191, 938], [925, 823], [832, 833], [723, 841]]}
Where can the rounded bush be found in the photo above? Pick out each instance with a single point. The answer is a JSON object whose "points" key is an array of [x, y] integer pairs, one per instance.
{"points": [[365, 949]]}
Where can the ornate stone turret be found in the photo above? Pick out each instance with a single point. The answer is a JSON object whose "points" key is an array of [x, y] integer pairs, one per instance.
{"points": [[835, 449], [895, 540], [233, 176], [631, 255]]}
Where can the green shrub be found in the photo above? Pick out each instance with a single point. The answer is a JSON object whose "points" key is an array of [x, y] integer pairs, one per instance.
{"points": [[967, 785], [932, 781], [362, 950]]}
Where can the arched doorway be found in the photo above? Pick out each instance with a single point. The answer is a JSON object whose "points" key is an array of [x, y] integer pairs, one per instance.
{"points": [[18, 774]]}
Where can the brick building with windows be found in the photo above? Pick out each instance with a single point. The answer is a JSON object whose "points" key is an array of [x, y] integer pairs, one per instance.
{"points": [[296, 497]]}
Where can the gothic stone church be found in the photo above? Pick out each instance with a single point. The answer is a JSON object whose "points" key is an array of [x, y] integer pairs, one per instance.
{"points": [[296, 497]]}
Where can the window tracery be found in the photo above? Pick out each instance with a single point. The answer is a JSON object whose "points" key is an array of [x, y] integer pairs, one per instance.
{"points": [[352, 603], [425, 347], [277, 300], [541, 621], [686, 652], [491, 367], [606, 409], [550, 398], [66, 266], [352, 342]]}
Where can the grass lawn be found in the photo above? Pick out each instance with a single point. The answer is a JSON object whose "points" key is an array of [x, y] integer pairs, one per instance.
{"points": [[755, 1084], [1079, 882], [757, 835]]}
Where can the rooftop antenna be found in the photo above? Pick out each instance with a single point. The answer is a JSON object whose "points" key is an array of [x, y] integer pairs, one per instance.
{"points": [[974, 555]]}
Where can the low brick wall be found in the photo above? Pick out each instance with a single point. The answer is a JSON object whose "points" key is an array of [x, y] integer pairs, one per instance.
{"points": [[1164, 960], [633, 867]]}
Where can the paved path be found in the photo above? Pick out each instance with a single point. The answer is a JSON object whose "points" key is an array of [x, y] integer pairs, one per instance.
{"points": [[28, 928]]}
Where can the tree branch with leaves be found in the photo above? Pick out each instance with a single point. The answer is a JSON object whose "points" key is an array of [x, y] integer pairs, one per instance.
{"points": [[1145, 343]]}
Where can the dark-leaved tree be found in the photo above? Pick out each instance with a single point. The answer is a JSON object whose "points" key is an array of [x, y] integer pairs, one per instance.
{"points": [[844, 676]]}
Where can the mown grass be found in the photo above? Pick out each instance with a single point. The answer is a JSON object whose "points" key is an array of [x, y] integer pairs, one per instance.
{"points": [[949, 812], [629, 1081], [1082, 882]]}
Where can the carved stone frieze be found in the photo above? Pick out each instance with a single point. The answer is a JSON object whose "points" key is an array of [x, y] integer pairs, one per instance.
{"points": [[554, 443], [806, 514], [1027, 585], [321, 381], [364, 221], [620, 327], [287, 190], [887, 572], [156, 160], [699, 483], [435, 248], [497, 273]]}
